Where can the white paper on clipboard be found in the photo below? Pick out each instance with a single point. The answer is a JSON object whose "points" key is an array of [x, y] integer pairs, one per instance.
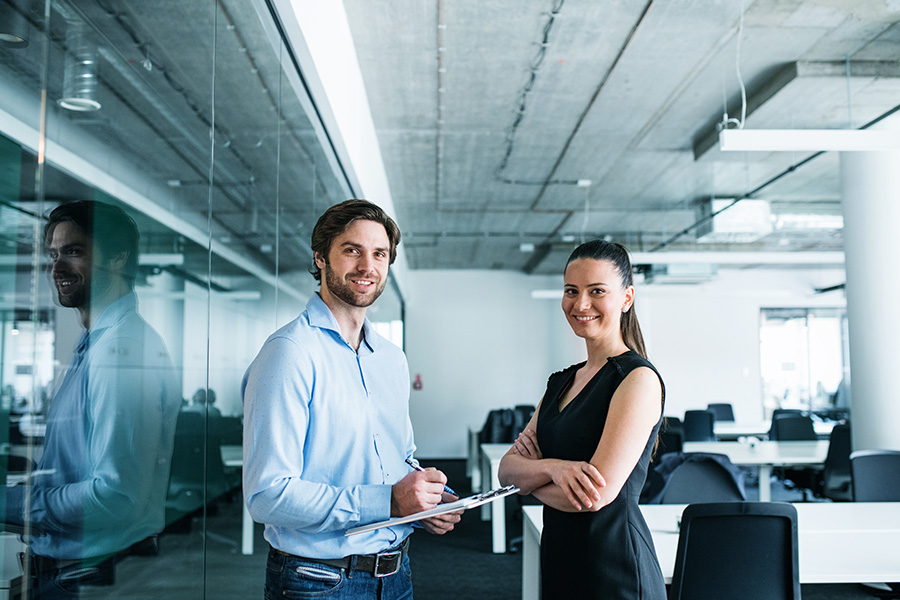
{"points": [[441, 509]]}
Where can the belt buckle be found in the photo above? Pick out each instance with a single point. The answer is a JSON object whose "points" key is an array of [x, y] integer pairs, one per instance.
{"points": [[384, 561]]}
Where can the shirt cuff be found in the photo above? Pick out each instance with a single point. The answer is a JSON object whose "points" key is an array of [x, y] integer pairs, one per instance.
{"points": [[376, 503]]}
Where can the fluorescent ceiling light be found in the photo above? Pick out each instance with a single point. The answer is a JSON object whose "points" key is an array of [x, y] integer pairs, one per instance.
{"points": [[160, 260], [808, 140], [827, 222]]}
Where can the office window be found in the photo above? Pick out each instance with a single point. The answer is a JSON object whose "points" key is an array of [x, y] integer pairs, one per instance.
{"points": [[192, 119], [803, 357]]}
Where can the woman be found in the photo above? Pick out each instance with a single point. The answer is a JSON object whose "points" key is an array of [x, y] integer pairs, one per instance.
{"points": [[586, 451]]}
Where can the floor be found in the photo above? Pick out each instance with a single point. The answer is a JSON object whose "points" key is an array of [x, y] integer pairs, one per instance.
{"points": [[457, 566]]}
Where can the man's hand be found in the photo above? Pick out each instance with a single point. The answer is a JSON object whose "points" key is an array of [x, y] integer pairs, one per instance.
{"points": [[418, 491], [441, 524]]}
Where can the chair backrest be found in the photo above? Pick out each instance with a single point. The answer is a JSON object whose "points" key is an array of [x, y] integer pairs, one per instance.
{"points": [[703, 478], [837, 461], [737, 550], [698, 426], [793, 427], [875, 475], [723, 411], [671, 439]]}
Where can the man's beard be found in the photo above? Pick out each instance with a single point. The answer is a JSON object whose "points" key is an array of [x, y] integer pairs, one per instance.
{"points": [[340, 289]]}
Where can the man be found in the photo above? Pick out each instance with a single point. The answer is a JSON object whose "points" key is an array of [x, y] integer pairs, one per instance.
{"points": [[202, 402], [327, 430], [99, 489]]}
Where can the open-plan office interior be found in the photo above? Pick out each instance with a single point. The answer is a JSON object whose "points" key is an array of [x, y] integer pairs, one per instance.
{"points": [[746, 153]]}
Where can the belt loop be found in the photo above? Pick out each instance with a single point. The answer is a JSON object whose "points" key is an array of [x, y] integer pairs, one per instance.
{"points": [[352, 567]]}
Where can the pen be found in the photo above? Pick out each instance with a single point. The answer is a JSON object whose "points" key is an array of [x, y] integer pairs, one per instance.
{"points": [[418, 467]]}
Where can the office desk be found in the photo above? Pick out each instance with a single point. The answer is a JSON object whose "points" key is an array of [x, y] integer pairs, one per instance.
{"points": [[731, 430], [766, 455], [495, 511], [840, 542], [233, 456]]}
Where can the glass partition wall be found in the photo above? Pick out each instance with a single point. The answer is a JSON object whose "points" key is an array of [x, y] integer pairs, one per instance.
{"points": [[121, 442]]}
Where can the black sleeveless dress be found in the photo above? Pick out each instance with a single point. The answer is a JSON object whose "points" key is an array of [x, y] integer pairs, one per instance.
{"points": [[607, 554]]}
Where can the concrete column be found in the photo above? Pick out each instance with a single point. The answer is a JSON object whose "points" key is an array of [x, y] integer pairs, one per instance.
{"points": [[870, 184]]}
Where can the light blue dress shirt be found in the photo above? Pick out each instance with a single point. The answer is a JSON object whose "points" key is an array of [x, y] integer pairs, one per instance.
{"points": [[101, 483], [326, 433]]}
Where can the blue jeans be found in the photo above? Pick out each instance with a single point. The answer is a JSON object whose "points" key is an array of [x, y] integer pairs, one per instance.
{"points": [[293, 577]]}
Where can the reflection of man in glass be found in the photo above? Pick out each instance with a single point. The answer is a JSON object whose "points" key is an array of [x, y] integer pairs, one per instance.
{"points": [[100, 486]]}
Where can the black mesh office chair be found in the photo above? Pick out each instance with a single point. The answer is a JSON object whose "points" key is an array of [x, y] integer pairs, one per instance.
{"points": [[702, 477], [671, 436], [698, 426], [723, 411], [737, 550], [795, 427], [876, 478], [792, 427], [875, 475], [836, 480]]}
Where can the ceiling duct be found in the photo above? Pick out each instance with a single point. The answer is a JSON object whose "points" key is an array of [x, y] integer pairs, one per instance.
{"points": [[727, 221], [679, 273]]}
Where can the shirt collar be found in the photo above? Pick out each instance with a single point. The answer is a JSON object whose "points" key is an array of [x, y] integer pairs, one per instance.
{"points": [[321, 316], [115, 311]]}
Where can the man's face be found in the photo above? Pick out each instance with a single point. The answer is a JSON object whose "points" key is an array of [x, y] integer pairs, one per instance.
{"points": [[355, 272], [71, 256]]}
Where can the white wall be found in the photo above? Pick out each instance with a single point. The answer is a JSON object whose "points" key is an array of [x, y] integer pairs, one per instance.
{"points": [[479, 341], [704, 338]]}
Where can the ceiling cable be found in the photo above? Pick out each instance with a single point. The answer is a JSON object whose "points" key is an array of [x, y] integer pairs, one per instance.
{"points": [[739, 123], [520, 110]]}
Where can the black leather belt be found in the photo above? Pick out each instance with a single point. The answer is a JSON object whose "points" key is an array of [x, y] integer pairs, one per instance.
{"points": [[380, 565]]}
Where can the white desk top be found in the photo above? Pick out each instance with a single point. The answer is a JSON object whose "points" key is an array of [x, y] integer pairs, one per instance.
{"points": [[840, 542], [766, 453], [733, 429], [495, 452]]}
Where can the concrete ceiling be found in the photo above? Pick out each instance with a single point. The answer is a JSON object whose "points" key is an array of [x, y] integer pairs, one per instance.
{"points": [[490, 112], [510, 130]]}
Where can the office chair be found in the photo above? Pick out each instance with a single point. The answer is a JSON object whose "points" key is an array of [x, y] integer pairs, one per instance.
{"points": [[836, 480], [779, 412], [698, 426], [702, 477], [876, 478], [671, 436], [795, 427], [875, 475], [723, 411], [792, 427], [737, 550]]}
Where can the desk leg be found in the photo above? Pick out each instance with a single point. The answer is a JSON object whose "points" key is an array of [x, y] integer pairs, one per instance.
{"points": [[485, 477], [531, 565], [498, 525], [246, 532], [475, 459], [765, 483]]}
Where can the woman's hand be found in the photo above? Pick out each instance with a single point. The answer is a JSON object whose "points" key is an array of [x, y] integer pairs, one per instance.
{"points": [[526, 445], [581, 482]]}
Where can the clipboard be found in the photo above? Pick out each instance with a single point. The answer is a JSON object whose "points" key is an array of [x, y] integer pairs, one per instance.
{"points": [[441, 509]]}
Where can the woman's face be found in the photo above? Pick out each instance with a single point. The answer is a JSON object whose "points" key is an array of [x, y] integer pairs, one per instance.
{"points": [[594, 298]]}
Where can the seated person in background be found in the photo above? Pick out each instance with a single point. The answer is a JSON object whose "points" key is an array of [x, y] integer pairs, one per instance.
{"points": [[100, 486], [202, 402]]}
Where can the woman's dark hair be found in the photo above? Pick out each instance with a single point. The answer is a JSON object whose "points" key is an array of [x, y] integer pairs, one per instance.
{"points": [[336, 219], [109, 227], [617, 254]]}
